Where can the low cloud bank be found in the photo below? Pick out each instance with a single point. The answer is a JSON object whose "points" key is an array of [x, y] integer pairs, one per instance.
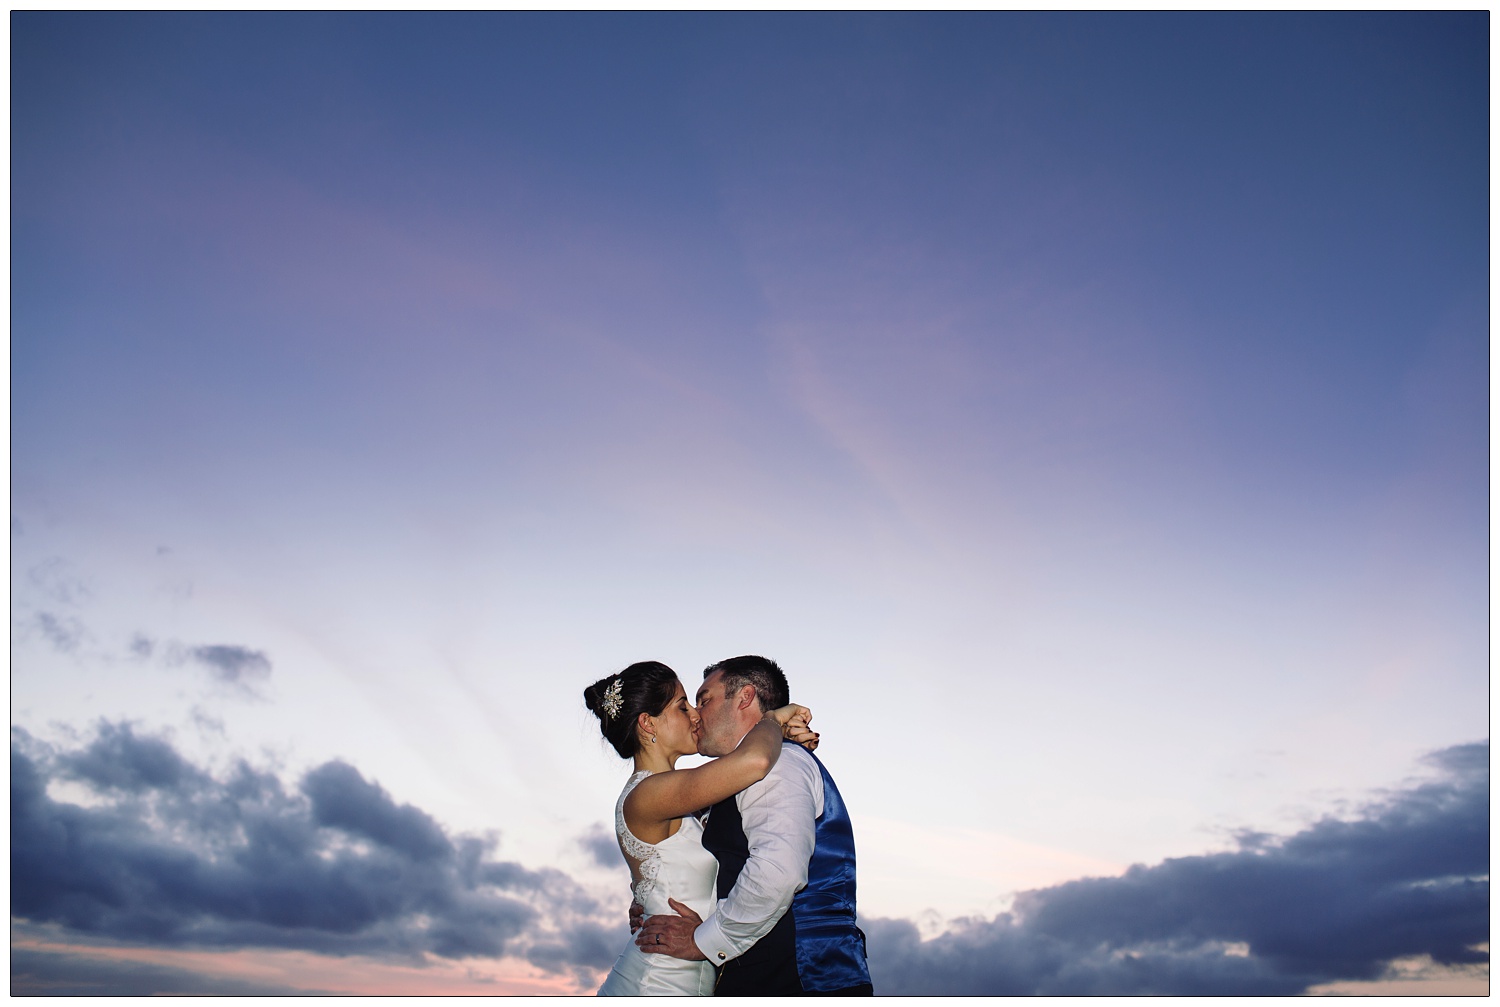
{"points": [[165, 854], [1340, 900], [160, 852]]}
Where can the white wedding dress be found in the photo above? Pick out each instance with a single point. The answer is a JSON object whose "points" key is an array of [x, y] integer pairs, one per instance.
{"points": [[678, 868]]}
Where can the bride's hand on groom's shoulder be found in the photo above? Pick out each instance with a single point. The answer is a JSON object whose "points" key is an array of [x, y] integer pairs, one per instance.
{"points": [[794, 721], [791, 712], [799, 732]]}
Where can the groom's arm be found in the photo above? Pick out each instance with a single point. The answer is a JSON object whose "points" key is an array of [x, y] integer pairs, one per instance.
{"points": [[778, 815]]}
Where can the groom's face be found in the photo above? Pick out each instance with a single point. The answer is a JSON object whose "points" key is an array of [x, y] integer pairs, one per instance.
{"points": [[721, 727]]}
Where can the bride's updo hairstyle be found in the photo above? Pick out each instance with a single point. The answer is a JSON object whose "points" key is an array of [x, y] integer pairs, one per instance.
{"points": [[619, 700]]}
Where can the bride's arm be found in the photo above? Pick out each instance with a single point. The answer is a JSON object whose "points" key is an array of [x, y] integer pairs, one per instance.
{"points": [[665, 796]]}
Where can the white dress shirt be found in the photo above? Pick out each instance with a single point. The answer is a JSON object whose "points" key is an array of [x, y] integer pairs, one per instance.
{"points": [[779, 815]]}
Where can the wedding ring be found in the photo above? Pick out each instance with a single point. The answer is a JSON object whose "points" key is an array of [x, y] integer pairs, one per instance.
{"points": [[658, 938]]}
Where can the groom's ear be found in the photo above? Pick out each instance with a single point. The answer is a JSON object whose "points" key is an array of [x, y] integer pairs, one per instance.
{"points": [[747, 697]]}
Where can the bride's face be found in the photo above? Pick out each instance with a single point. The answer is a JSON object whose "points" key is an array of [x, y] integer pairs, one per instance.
{"points": [[677, 726]]}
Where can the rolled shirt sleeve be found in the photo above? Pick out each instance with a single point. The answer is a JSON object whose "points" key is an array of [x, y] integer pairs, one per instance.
{"points": [[779, 815]]}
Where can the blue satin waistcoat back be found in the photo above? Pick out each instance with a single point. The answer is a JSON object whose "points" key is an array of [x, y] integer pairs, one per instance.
{"points": [[830, 947]]}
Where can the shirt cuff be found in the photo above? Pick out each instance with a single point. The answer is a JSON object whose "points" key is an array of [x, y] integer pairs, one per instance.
{"points": [[711, 943]]}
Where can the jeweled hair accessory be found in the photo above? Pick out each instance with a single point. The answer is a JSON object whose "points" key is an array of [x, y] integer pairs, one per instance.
{"points": [[612, 700]]}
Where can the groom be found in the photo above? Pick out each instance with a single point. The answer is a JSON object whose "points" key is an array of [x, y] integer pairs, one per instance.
{"points": [[785, 922]]}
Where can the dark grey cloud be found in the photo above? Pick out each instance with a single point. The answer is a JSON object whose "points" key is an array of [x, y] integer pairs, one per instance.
{"points": [[1340, 900], [52, 973], [602, 847], [233, 665], [169, 854], [343, 799], [119, 760], [576, 945]]}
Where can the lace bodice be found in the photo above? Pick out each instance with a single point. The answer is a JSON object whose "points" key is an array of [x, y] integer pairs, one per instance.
{"points": [[684, 852], [677, 868], [647, 859]]}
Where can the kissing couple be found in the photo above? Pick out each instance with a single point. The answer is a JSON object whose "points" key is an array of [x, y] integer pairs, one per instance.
{"points": [[742, 868]]}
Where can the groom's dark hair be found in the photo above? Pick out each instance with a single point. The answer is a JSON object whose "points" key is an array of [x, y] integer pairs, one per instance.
{"points": [[770, 683]]}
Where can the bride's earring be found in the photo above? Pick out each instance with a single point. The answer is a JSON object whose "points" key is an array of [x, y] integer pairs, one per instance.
{"points": [[653, 739]]}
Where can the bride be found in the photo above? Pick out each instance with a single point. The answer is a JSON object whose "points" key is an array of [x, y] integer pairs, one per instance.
{"points": [[645, 714]]}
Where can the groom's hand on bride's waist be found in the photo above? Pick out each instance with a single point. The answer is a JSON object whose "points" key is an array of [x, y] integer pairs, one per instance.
{"points": [[672, 935]]}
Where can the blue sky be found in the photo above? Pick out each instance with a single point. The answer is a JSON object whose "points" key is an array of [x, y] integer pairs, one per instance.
{"points": [[1089, 412]]}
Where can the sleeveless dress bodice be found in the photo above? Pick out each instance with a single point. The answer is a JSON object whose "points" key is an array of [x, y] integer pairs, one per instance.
{"points": [[678, 868]]}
